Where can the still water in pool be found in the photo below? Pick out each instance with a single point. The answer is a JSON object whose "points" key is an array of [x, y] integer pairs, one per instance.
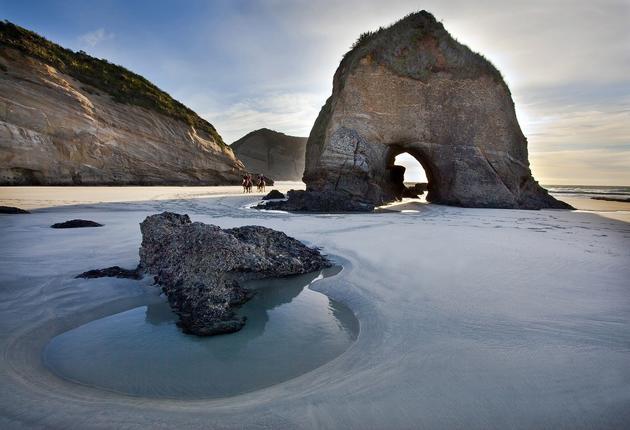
{"points": [[290, 330]]}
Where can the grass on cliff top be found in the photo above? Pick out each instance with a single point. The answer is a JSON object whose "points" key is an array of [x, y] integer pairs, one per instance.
{"points": [[121, 84], [389, 46]]}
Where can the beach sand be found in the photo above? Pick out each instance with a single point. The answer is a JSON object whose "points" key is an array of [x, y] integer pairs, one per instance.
{"points": [[469, 318]]}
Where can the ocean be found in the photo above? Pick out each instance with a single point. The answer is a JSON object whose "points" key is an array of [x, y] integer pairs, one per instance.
{"points": [[588, 191]]}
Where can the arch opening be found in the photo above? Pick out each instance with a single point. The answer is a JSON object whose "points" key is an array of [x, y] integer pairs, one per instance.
{"points": [[410, 174]]}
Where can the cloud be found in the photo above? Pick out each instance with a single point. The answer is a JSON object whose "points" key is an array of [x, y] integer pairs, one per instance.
{"points": [[582, 167], [290, 113], [93, 38]]}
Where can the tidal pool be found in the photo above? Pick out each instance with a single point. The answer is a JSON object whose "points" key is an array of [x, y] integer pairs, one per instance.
{"points": [[290, 330]]}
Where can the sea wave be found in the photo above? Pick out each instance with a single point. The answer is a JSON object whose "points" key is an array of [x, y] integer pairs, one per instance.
{"points": [[589, 190]]}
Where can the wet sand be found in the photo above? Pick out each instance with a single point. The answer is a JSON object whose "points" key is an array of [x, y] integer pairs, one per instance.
{"points": [[469, 318]]}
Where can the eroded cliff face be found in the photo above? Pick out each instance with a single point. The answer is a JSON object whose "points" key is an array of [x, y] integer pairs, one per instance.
{"points": [[413, 88], [273, 154], [55, 130]]}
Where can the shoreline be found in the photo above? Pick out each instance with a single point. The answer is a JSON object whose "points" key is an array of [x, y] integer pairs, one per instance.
{"points": [[42, 197], [50, 198]]}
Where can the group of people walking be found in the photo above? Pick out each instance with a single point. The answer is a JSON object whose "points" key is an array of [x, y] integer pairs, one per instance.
{"points": [[248, 183]]}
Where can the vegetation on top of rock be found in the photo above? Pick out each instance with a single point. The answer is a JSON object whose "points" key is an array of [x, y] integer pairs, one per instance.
{"points": [[123, 85], [396, 47]]}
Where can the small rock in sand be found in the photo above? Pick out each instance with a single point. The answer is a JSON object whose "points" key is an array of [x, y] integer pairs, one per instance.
{"points": [[111, 272], [613, 199], [274, 195], [76, 223], [12, 210]]}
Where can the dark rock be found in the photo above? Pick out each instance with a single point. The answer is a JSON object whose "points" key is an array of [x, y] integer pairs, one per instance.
{"points": [[613, 199], [12, 210], [76, 223], [412, 88], [274, 195], [200, 267], [111, 272], [415, 191], [327, 201]]}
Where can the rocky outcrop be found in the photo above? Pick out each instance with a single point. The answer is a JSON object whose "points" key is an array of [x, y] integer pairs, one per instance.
{"points": [[12, 210], [76, 223], [200, 267], [413, 88], [69, 119], [272, 153], [274, 195], [324, 202]]}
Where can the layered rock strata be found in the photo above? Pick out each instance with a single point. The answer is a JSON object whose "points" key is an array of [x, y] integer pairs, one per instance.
{"points": [[56, 129]]}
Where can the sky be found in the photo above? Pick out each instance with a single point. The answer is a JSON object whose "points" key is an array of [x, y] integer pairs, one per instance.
{"points": [[244, 65]]}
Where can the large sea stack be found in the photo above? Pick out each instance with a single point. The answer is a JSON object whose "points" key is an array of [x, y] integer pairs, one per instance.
{"points": [[273, 154], [413, 88], [68, 119]]}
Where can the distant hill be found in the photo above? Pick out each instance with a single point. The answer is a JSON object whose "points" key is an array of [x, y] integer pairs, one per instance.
{"points": [[67, 118], [274, 154]]}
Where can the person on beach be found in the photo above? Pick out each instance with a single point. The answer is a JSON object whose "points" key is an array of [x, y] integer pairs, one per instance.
{"points": [[247, 183], [261, 183]]}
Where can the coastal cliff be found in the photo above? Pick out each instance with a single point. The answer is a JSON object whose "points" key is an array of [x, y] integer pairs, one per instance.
{"points": [[272, 153], [70, 119]]}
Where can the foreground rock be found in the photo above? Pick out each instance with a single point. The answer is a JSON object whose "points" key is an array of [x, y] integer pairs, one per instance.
{"points": [[272, 154], [413, 88], [274, 195], [12, 210], [76, 223], [69, 119], [200, 267]]}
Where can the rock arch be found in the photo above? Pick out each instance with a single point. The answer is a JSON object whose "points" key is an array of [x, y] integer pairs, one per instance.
{"points": [[413, 88], [397, 173]]}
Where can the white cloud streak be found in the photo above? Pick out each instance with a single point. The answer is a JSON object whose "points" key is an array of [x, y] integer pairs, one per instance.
{"points": [[93, 38], [582, 167], [291, 113]]}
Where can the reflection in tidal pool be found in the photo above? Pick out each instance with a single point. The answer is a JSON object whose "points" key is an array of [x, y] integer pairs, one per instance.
{"points": [[290, 330]]}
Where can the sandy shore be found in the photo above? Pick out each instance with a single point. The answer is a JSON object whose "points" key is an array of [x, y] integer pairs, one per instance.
{"points": [[48, 197], [470, 318]]}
